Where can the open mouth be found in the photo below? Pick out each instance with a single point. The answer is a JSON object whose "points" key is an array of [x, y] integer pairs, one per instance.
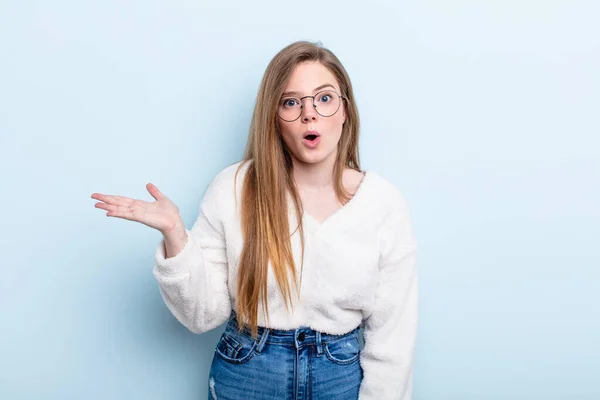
{"points": [[311, 139]]}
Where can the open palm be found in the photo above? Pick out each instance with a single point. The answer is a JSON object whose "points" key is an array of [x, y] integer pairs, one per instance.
{"points": [[161, 214]]}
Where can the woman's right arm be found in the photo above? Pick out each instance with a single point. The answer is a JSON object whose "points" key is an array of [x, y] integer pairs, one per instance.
{"points": [[191, 267], [175, 241]]}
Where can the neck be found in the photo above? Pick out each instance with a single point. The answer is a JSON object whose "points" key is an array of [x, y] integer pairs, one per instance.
{"points": [[314, 176]]}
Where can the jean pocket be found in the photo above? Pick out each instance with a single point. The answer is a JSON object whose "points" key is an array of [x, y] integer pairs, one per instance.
{"points": [[345, 350], [235, 347]]}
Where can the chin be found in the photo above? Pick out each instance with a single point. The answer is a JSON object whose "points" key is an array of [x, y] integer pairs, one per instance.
{"points": [[313, 158]]}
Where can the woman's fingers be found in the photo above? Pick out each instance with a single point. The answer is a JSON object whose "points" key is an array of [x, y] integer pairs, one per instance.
{"points": [[111, 207], [153, 190], [111, 199], [123, 213], [129, 213]]}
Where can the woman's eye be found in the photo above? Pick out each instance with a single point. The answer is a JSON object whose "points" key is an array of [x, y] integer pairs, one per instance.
{"points": [[289, 102], [324, 98]]}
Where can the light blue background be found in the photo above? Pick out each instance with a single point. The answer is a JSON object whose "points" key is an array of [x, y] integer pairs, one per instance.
{"points": [[484, 114]]}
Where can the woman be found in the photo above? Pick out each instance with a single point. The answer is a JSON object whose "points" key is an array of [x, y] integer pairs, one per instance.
{"points": [[295, 248]]}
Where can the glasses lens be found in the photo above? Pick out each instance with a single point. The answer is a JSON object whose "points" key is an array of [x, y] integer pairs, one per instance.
{"points": [[327, 103], [289, 108]]}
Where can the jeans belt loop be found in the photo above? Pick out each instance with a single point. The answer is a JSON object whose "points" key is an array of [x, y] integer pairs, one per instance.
{"points": [[263, 339], [319, 344]]}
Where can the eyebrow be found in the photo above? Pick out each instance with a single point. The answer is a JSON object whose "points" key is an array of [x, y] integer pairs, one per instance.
{"points": [[296, 93]]}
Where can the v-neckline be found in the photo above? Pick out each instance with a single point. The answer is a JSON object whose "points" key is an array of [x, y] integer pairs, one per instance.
{"points": [[319, 224]]}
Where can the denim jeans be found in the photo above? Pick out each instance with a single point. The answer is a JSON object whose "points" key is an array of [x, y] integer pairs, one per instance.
{"points": [[297, 364]]}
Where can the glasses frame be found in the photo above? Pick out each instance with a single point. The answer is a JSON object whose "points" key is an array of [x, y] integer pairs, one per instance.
{"points": [[314, 105]]}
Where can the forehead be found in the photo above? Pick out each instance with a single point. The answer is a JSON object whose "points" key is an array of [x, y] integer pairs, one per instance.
{"points": [[309, 75]]}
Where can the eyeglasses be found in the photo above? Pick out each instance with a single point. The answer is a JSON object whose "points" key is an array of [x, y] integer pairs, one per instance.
{"points": [[326, 103]]}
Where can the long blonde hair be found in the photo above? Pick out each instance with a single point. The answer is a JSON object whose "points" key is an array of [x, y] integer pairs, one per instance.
{"points": [[268, 182]]}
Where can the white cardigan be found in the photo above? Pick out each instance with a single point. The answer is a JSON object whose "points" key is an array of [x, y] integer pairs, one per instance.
{"points": [[359, 268]]}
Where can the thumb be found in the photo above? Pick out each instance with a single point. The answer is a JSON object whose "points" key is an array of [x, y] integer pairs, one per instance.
{"points": [[153, 190]]}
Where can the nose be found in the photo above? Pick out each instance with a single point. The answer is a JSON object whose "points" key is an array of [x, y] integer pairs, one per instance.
{"points": [[308, 110]]}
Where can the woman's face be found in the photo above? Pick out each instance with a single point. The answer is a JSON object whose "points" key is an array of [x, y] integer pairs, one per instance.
{"points": [[308, 79]]}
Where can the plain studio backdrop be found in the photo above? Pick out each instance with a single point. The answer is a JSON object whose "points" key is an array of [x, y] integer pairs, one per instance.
{"points": [[485, 114]]}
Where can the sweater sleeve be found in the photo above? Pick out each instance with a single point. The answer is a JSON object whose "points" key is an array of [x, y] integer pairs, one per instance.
{"points": [[193, 283], [390, 328]]}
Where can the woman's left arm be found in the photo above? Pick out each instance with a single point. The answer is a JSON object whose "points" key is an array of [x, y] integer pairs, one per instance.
{"points": [[390, 329]]}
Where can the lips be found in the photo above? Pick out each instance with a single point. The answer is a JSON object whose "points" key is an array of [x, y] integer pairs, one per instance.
{"points": [[311, 135], [311, 139]]}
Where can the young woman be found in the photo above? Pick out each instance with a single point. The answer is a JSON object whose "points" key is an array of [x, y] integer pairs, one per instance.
{"points": [[295, 248]]}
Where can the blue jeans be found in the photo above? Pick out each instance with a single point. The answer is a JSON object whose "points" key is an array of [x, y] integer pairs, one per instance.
{"points": [[297, 364]]}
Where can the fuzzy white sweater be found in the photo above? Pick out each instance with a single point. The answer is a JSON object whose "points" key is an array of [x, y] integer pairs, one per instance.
{"points": [[359, 269]]}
